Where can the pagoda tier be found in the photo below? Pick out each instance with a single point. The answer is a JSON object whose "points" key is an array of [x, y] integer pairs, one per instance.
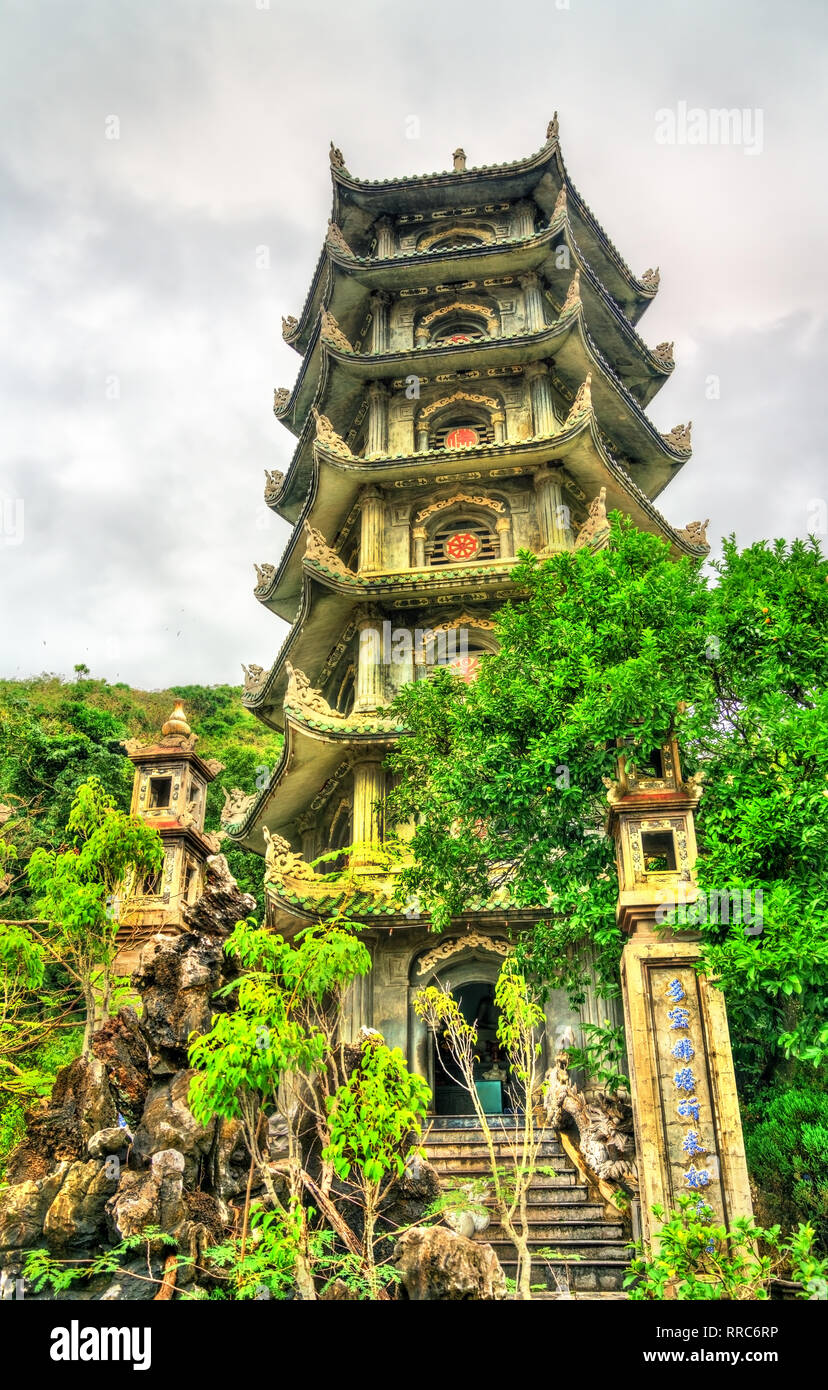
{"points": [[395, 218], [472, 385]]}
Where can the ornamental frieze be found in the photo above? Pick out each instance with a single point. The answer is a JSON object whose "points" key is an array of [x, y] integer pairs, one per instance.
{"points": [[491, 503], [455, 945]]}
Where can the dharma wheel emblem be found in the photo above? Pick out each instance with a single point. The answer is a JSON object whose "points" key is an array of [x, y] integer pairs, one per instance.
{"points": [[461, 438], [466, 667], [462, 545]]}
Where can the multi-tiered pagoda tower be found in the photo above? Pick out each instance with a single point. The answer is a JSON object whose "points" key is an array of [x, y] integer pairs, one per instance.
{"points": [[471, 383]]}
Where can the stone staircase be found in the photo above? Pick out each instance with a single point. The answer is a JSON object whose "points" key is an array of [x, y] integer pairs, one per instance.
{"points": [[590, 1255]]}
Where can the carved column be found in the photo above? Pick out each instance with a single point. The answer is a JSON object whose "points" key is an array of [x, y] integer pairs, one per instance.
{"points": [[419, 538], [377, 420], [371, 531], [540, 392], [688, 1130], [385, 238], [499, 426], [553, 513], [422, 438], [532, 301], [306, 825], [369, 787], [380, 310], [422, 335], [369, 690], [504, 530], [524, 224]]}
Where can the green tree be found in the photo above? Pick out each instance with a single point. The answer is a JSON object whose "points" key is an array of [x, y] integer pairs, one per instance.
{"points": [[77, 891], [504, 779]]}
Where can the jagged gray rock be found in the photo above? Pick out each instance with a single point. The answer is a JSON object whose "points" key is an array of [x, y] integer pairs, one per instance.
{"points": [[436, 1265]]}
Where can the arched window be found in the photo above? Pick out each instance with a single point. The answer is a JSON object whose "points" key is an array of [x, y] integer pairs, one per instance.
{"points": [[450, 238], [458, 539]]}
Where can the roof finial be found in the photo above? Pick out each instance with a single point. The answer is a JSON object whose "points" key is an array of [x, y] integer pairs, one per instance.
{"points": [[337, 158], [552, 129], [177, 722], [459, 158]]}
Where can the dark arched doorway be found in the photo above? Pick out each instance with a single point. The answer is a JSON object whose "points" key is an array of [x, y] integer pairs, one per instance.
{"points": [[477, 1005]]}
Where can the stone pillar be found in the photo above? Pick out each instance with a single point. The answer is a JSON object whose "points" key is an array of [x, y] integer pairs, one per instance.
{"points": [[540, 394], [553, 513], [419, 537], [499, 426], [369, 786], [524, 223], [421, 336], [371, 531], [422, 438], [377, 420], [369, 691], [379, 308], [504, 530], [306, 825], [688, 1130], [385, 238], [532, 301]]}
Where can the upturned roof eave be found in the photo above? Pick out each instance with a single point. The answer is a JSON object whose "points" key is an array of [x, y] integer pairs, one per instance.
{"points": [[524, 175]]}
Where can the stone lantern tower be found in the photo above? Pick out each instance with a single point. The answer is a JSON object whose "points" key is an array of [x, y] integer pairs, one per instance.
{"points": [[169, 793], [687, 1126]]}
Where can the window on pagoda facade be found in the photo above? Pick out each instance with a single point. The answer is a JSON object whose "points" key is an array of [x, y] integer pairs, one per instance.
{"points": [[457, 540], [461, 431]]}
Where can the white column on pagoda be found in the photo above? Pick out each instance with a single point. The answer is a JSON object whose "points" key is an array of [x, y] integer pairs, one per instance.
{"points": [[377, 420], [369, 789], [369, 692], [540, 392], [532, 301], [504, 530], [385, 238], [372, 526], [419, 538], [553, 513], [499, 426], [379, 308], [524, 224]]}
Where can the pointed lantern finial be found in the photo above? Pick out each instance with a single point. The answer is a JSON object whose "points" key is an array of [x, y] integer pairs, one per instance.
{"points": [[459, 157], [177, 722]]}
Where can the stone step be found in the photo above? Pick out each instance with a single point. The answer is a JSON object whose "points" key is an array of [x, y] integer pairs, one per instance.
{"points": [[562, 1249], [445, 1153], [471, 1122], [500, 1137], [582, 1276], [468, 1159], [561, 1230]]}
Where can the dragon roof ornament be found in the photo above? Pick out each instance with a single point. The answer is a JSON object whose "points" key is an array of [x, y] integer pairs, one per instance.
{"points": [[679, 437], [582, 404], [332, 333], [328, 437]]}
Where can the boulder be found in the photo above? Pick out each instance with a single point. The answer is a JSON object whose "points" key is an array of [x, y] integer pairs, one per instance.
{"points": [[437, 1265], [61, 1127], [78, 1212], [121, 1046], [152, 1197], [221, 905], [168, 1123], [23, 1208], [177, 981], [113, 1140], [229, 1160]]}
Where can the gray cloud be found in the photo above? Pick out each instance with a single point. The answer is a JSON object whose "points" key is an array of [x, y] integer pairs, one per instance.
{"points": [[140, 343]]}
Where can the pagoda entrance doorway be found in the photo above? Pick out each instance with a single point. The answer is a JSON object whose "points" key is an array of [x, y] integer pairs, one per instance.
{"points": [[477, 1005], [471, 979]]}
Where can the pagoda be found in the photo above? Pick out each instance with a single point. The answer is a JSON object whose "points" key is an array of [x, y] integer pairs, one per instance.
{"points": [[472, 383]]}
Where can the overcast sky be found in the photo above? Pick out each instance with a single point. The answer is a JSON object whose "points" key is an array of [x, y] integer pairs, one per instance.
{"points": [[140, 343]]}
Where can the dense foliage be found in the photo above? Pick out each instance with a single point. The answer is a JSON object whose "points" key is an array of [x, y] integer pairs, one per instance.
{"points": [[506, 777], [786, 1141], [56, 735]]}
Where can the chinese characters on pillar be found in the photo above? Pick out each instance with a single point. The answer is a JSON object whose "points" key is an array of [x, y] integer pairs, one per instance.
{"points": [[688, 1113]]}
